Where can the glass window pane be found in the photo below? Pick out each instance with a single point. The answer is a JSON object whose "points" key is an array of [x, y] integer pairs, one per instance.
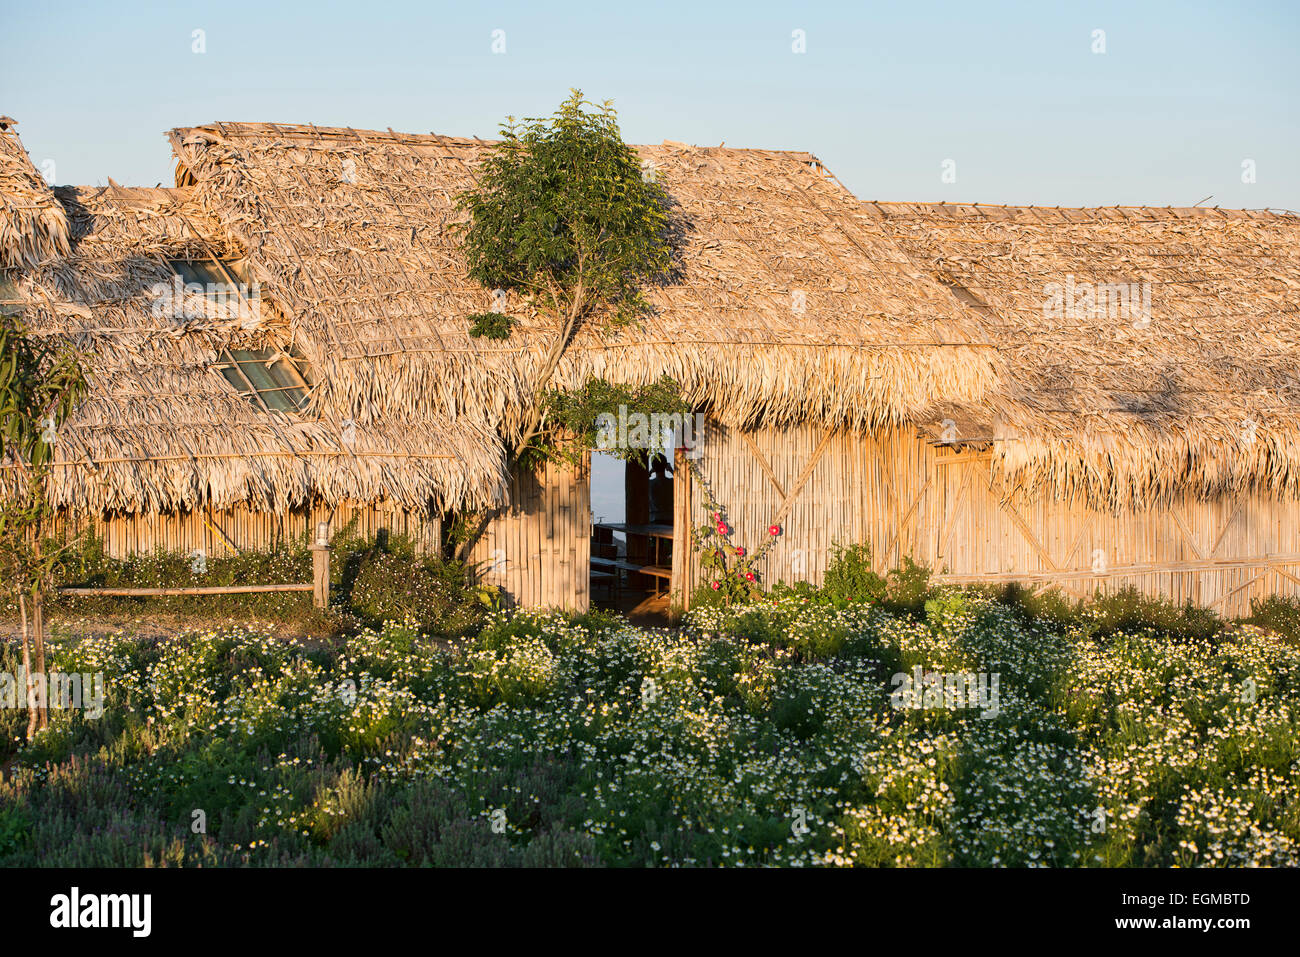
{"points": [[9, 291], [212, 277], [280, 401], [271, 376], [284, 375], [257, 374], [234, 378], [203, 273]]}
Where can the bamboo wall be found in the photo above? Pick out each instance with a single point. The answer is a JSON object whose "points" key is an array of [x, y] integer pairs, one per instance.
{"points": [[539, 552], [221, 532], [937, 505]]}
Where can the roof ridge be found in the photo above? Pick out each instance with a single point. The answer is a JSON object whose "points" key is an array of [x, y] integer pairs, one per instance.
{"points": [[225, 129], [1172, 212]]}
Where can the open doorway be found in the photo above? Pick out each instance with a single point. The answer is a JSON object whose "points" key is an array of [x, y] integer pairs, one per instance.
{"points": [[632, 535]]}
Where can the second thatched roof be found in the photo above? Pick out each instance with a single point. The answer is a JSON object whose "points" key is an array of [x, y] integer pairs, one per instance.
{"points": [[162, 429], [1141, 351]]}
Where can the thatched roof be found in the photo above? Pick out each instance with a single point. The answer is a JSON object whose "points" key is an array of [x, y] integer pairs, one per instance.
{"points": [[33, 226], [162, 430], [789, 303], [1125, 404]]}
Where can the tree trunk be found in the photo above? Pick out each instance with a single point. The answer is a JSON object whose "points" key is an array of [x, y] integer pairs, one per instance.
{"points": [[38, 634], [533, 425], [38, 616], [27, 669]]}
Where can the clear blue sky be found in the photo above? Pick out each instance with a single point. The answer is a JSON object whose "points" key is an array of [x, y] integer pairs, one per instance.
{"points": [[1011, 92]]}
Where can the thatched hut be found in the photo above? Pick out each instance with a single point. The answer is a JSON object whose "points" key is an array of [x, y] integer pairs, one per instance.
{"points": [[870, 371], [1140, 431]]}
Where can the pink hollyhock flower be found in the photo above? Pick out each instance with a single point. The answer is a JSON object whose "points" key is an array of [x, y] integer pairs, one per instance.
{"points": [[716, 585], [749, 576], [774, 530], [722, 528], [740, 551]]}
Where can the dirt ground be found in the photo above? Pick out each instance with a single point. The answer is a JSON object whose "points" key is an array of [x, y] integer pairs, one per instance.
{"points": [[639, 607]]}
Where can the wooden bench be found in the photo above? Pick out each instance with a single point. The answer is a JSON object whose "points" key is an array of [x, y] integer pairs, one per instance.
{"points": [[608, 579], [612, 566], [657, 572]]}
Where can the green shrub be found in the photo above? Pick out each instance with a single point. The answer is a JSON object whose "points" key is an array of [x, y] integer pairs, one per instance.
{"points": [[1051, 605], [907, 588], [395, 585], [491, 325], [947, 609], [802, 591], [1126, 609], [1129, 609], [1277, 613], [849, 576], [15, 830]]}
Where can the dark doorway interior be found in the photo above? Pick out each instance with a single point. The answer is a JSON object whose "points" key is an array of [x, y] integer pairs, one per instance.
{"points": [[632, 552]]}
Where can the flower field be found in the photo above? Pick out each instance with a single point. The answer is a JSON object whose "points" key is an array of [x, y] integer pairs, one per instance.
{"points": [[750, 736]]}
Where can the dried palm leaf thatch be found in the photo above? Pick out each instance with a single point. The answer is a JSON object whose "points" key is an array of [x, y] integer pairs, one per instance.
{"points": [[33, 226], [787, 302], [790, 302], [1139, 350], [162, 429]]}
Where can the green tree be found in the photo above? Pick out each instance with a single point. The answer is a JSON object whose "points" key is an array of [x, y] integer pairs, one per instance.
{"points": [[41, 383], [564, 215]]}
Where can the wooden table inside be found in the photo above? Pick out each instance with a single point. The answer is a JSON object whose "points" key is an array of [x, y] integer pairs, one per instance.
{"points": [[655, 532]]}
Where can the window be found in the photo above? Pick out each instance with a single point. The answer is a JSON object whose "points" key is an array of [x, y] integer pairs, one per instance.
{"points": [[272, 380], [11, 303], [220, 281], [208, 272], [269, 379]]}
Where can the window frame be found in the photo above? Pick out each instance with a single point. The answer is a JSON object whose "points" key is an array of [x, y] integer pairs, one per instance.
{"points": [[12, 302], [231, 361]]}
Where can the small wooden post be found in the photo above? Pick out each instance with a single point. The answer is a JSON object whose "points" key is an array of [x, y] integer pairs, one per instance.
{"points": [[320, 567], [680, 584]]}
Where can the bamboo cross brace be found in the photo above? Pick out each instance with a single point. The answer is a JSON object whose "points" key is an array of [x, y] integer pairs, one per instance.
{"points": [[803, 477], [1078, 540], [1286, 575], [1224, 531], [950, 520], [1242, 587], [1021, 524], [763, 464], [1187, 532], [211, 522], [902, 523]]}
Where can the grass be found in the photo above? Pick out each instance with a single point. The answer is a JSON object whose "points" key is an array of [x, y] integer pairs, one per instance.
{"points": [[753, 735]]}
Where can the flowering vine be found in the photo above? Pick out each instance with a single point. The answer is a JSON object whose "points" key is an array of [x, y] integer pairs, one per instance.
{"points": [[730, 569]]}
